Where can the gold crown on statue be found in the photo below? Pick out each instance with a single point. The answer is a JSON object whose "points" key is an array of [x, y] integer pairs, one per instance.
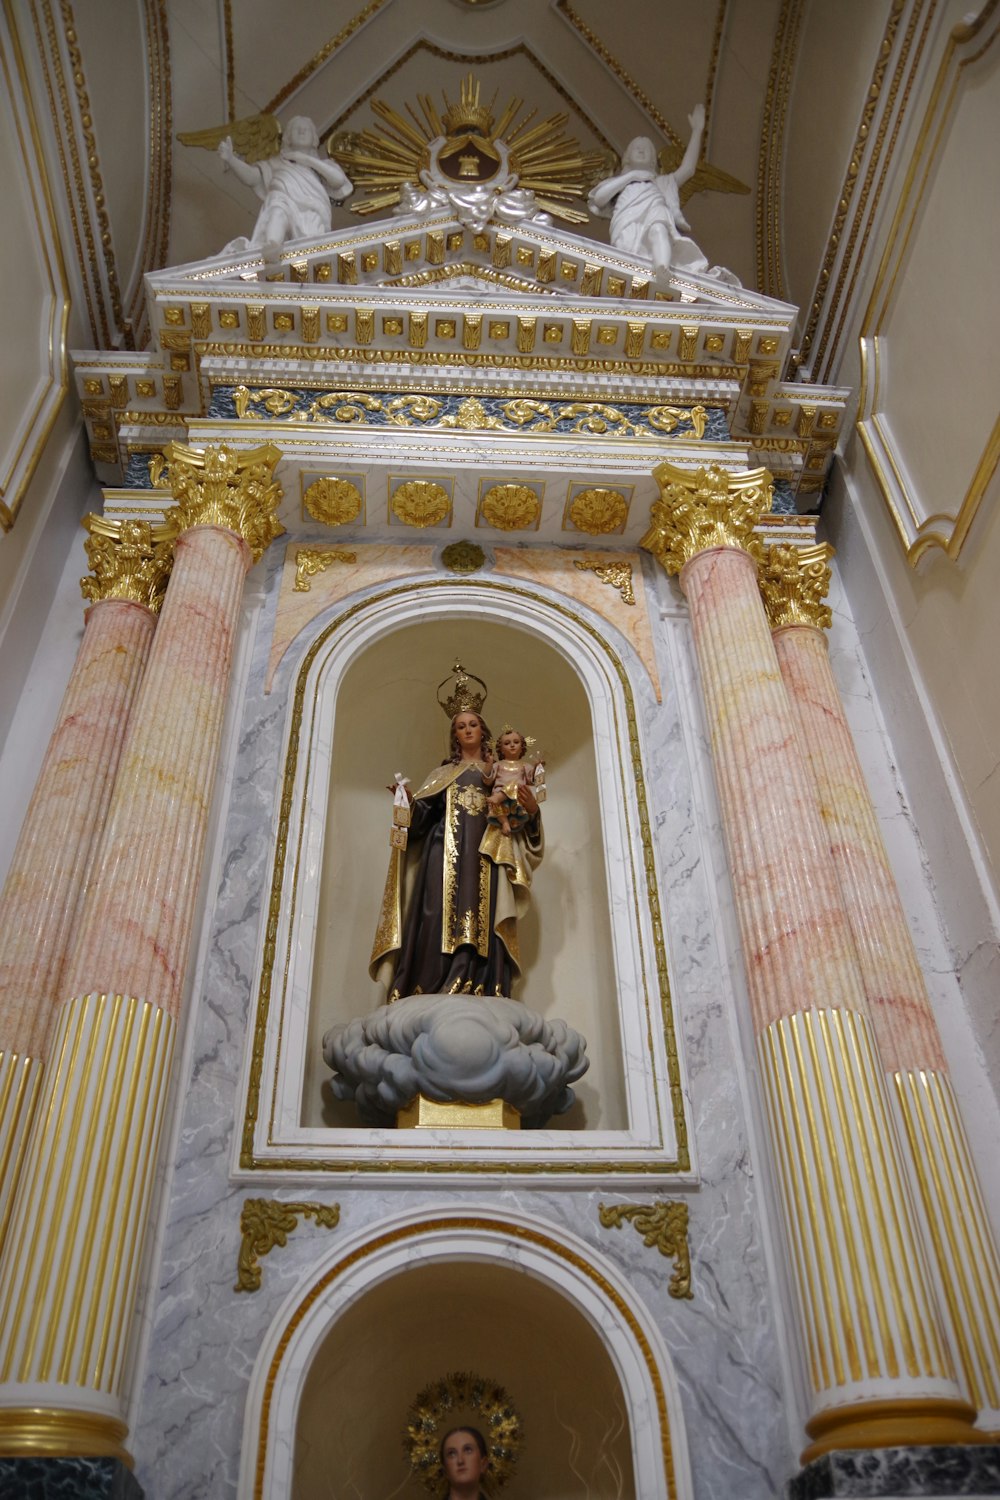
{"points": [[468, 112], [464, 699]]}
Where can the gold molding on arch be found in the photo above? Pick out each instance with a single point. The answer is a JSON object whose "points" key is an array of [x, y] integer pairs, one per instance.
{"points": [[17, 468], [767, 204], [919, 529], [504, 1231]]}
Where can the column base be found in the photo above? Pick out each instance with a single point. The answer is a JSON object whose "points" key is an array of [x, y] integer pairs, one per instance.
{"points": [[68, 1479], [931, 1472]]}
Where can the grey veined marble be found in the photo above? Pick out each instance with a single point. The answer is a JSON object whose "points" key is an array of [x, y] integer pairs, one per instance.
{"points": [[929, 1472], [449, 1047]]}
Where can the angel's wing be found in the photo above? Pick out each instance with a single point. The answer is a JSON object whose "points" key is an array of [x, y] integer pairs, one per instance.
{"points": [[704, 179], [254, 138]]}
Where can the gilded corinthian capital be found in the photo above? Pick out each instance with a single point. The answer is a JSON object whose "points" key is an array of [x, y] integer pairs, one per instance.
{"points": [[793, 584], [228, 487], [710, 507], [128, 560]]}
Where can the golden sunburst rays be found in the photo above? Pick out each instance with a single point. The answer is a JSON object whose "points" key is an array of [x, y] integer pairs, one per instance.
{"points": [[547, 161]]}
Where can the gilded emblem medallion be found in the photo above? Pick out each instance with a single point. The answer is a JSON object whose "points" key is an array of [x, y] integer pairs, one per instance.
{"points": [[510, 507], [419, 502], [598, 511], [333, 501], [463, 557]]}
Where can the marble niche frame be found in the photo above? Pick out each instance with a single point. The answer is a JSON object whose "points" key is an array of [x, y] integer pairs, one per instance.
{"points": [[566, 1265], [656, 1141]]}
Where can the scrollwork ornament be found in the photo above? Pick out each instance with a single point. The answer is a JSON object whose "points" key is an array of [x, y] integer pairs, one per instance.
{"points": [[129, 560], [510, 507], [227, 487], [447, 1403], [710, 507], [794, 582], [618, 575], [312, 560], [663, 1226], [264, 1223]]}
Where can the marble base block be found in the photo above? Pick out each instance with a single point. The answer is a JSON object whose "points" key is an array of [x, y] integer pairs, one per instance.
{"points": [[68, 1479], [928, 1472], [455, 1048]]}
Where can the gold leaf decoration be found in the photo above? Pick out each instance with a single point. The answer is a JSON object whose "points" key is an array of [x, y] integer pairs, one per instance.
{"points": [[463, 557], [264, 1223], [129, 560], [510, 507], [663, 1225], [618, 575], [420, 502], [312, 560], [334, 502], [598, 511], [462, 1397]]}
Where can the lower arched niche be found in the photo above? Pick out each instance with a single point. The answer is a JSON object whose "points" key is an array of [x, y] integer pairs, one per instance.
{"points": [[392, 1314]]}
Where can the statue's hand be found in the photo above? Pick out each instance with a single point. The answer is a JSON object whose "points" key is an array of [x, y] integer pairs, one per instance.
{"points": [[696, 119], [527, 799], [226, 151]]}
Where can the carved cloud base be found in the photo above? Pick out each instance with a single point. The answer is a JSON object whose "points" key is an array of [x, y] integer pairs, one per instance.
{"points": [[455, 1047]]}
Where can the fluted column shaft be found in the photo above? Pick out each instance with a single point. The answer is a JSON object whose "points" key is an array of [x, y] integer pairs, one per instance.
{"points": [[69, 1273], [957, 1230], [878, 1365], [66, 813]]}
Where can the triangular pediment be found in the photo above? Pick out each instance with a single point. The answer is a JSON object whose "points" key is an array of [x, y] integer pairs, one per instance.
{"points": [[527, 258]]}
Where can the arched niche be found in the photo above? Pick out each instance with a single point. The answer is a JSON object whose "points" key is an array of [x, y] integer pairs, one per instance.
{"points": [[388, 1314], [361, 706]]}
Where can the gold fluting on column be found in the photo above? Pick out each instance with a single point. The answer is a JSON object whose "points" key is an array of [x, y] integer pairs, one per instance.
{"points": [[68, 1273], [871, 1331], [957, 1231], [130, 562], [226, 487]]}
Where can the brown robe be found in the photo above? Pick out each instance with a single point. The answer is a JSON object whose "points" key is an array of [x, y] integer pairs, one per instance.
{"points": [[462, 893]]}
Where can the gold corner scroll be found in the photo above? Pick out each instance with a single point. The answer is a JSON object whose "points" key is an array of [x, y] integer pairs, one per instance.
{"points": [[312, 560], [229, 487], [794, 582], [617, 575], [663, 1225], [129, 560], [264, 1223], [709, 507]]}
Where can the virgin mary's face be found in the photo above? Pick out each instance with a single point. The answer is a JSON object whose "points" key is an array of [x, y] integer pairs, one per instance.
{"points": [[469, 733], [463, 1462]]}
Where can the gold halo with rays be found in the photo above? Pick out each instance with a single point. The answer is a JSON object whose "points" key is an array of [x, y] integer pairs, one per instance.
{"points": [[548, 162]]}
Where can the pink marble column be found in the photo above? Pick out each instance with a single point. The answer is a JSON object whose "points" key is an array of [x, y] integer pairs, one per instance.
{"points": [[879, 1367], [68, 1275], [129, 563], [957, 1228]]}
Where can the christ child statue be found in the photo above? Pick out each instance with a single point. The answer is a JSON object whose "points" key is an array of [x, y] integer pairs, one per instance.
{"points": [[510, 772]]}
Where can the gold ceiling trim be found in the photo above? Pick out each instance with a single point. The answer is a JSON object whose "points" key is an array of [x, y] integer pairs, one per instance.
{"points": [[850, 262], [611, 62], [39, 422], [767, 209], [156, 229], [323, 55], [946, 530], [230, 52], [721, 17], [861, 140], [469, 60]]}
